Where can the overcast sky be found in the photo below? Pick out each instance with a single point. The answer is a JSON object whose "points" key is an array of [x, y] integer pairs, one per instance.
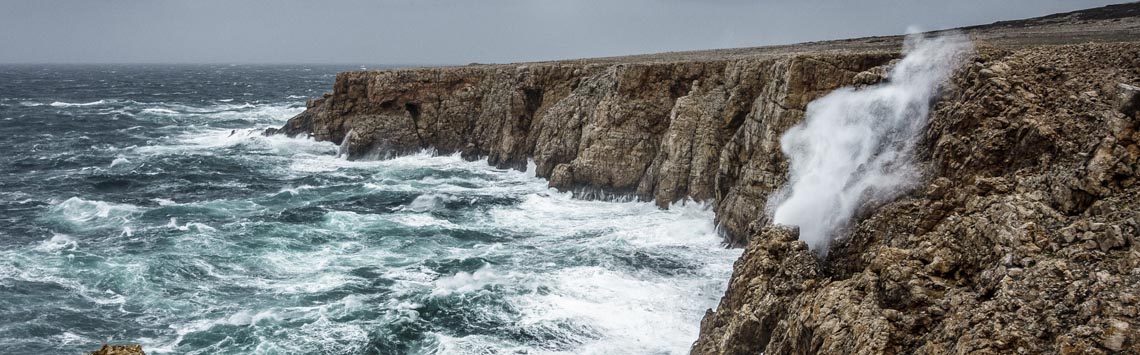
{"points": [[456, 31]]}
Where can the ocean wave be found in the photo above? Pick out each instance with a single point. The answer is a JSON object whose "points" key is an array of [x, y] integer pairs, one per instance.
{"points": [[211, 140], [117, 161], [417, 220], [195, 226], [160, 111], [634, 315], [58, 242], [430, 202], [163, 201], [84, 214], [69, 104], [463, 282], [349, 222]]}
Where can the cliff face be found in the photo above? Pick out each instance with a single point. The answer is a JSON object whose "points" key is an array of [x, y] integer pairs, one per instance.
{"points": [[1023, 241], [705, 130], [1022, 238]]}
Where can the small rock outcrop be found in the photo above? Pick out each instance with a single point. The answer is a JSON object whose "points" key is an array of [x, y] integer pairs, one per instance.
{"points": [[119, 350]]}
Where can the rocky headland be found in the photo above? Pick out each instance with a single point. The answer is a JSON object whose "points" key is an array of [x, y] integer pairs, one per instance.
{"points": [[1020, 239]]}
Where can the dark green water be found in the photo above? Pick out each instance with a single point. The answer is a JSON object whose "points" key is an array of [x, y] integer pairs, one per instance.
{"points": [[139, 204]]}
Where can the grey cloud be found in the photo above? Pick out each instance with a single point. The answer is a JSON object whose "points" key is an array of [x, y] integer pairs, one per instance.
{"points": [[456, 32]]}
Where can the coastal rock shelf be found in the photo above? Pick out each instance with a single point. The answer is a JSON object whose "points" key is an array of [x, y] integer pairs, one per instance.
{"points": [[1022, 239]]}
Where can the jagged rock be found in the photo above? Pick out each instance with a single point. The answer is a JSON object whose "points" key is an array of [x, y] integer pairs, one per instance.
{"points": [[988, 259], [119, 350]]}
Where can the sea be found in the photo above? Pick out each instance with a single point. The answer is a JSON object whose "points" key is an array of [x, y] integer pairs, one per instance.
{"points": [[140, 204]]}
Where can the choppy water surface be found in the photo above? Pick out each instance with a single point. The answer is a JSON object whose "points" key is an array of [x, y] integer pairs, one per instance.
{"points": [[140, 205]]}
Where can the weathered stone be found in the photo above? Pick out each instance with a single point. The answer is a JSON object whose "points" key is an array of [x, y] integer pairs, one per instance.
{"points": [[986, 259], [1115, 335], [119, 350]]}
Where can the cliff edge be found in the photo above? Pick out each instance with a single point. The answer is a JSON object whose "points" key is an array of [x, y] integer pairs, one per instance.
{"points": [[1022, 238]]}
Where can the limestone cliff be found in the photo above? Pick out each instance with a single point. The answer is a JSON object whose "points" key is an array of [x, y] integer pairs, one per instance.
{"points": [[1023, 239], [704, 130], [1023, 242]]}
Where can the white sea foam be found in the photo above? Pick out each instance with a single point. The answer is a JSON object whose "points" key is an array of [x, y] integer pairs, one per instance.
{"points": [[117, 161], [195, 226], [854, 147], [600, 308], [57, 242], [208, 142], [423, 220], [70, 104], [430, 202], [82, 213], [464, 282], [160, 111]]}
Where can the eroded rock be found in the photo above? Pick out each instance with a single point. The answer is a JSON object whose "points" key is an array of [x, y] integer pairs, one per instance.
{"points": [[989, 259], [119, 350]]}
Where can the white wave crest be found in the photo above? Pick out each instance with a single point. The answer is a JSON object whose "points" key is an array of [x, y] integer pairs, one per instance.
{"points": [[199, 227], [82, 213], [464, 282], [58, 242], [430, 202], [70, 104]]}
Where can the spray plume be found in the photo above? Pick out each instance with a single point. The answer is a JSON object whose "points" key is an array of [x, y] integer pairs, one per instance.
{"points": [[855, 147]]}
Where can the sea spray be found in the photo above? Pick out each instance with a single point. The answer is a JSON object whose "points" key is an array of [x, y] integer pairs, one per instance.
{"points": [[855, 146], [342, 150]]}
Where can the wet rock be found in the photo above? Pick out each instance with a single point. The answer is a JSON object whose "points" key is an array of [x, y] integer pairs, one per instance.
{"points": [[119, 350]]}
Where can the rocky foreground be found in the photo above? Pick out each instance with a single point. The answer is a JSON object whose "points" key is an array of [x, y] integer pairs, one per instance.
{"points": [[1021, 240]]}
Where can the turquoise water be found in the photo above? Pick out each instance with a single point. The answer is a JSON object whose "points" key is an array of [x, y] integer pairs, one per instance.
{"points": [[141, 205]]}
